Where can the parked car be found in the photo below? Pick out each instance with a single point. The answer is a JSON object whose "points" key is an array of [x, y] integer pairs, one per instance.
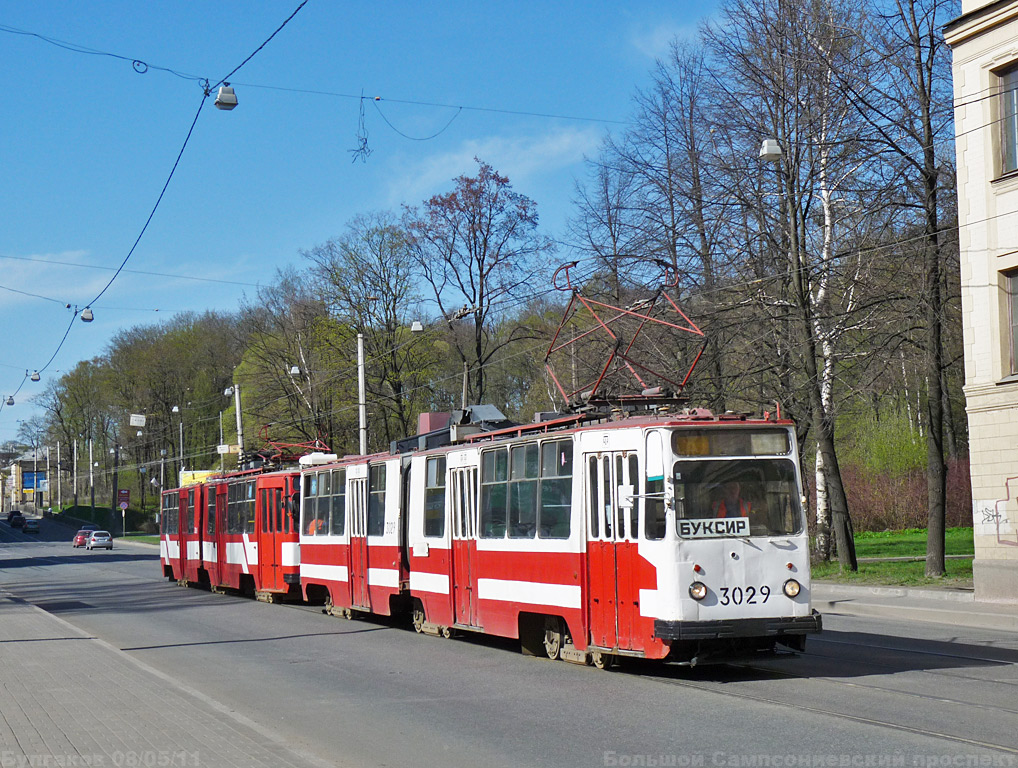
{"points": [[80, 538], [30, 526], [17, 521], [99, 540]]}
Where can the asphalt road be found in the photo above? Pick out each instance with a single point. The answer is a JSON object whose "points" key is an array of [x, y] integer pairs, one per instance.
{"points": [[866, 693]]}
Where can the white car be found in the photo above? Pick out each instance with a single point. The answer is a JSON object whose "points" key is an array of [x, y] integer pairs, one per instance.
{"points": [[99, 540]]}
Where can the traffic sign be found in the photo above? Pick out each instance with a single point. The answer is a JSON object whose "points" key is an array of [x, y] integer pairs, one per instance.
{"points": [[123, 505]]}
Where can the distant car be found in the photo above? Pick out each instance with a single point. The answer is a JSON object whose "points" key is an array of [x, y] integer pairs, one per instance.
{"points": [[17, 521], [80, 538], [90, 527], [12, 514], [99, 540], [30, 526]]}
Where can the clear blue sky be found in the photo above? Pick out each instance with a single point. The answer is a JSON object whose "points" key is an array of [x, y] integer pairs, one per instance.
{"points": [[86, 143]]}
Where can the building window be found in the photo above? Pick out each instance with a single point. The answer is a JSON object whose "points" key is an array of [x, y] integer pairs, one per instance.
{"points": [[1011, 284], [1008, 81]]}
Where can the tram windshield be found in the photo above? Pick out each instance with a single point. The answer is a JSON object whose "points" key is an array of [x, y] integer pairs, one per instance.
{"points": [[762, 490]]}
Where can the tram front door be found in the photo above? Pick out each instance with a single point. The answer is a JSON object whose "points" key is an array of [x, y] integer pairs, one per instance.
{"points": [[612, 554]]}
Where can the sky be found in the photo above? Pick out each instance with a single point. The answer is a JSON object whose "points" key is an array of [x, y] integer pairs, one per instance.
{"points": [[87, 142]]}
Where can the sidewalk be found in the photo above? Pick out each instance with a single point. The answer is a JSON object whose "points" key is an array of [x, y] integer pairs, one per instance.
{"points": [[69, 699], [957, 607]]}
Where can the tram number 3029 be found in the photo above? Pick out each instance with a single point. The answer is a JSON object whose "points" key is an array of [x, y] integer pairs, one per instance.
{"points": [[744, 595]]}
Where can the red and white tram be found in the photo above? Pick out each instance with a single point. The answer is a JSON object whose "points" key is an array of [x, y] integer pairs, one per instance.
{"points": [[236, 531], [673, 536]]}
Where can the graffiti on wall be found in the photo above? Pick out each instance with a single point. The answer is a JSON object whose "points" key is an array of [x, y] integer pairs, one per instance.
{"points": [[992, 517]]}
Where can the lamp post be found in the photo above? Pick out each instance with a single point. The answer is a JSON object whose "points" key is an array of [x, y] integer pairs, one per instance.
{"points": [[235, 391], [91, 477], [115, 450], [180, 457], [362, 405]]}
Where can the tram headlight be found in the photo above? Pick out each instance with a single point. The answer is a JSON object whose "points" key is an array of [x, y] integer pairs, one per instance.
{"points": [[698, 590], [791, 588]]}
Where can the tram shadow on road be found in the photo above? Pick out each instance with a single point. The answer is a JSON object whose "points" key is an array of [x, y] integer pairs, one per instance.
{"points": [[840, 655]]}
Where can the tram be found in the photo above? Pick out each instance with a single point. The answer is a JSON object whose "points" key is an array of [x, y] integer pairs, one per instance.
{"points": [[234, 531], [589, 537]]}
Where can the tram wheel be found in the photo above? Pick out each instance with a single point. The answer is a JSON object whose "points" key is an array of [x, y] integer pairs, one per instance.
{"points": [[604, 660], [446, 632], [418, 618], [552, 638]]}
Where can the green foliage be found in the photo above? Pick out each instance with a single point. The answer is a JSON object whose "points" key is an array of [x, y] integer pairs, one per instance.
{"points": [[886, 443]]}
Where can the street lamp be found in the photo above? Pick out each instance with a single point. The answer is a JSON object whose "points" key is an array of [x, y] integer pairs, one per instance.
{"points": [[770, 150], [235, 391], [180, 460], [226, 99]]}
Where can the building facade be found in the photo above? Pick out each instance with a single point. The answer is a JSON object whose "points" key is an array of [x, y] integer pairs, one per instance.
{"points": [[984, 43]]}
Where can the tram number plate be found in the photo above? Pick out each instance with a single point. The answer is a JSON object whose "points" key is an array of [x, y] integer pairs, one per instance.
{"points": [[743, 595]]}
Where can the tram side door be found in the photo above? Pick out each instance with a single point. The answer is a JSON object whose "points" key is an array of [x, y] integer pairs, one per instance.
{"points": [[268, 549], [185, 520], [612, 548], [222, 499], [464, 545], [358, 505]]}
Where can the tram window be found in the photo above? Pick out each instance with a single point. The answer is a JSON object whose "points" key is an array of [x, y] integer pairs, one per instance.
{"points": [[766, 489], [656, 521], [376, 500], [249, 507], [190, 511], [592, 486], [434, 498], [556, 489], [310, 505], [231, 509], [210, 513], [324, 506], [494, 493], [606, 499], [338, 526], [277, 506], [634, 511], [523, 491], [266, 512]]}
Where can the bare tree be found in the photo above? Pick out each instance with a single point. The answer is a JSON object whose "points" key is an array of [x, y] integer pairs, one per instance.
{"points": [[478, 249]]}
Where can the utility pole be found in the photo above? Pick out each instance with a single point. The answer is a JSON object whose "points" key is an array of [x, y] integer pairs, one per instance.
{"points": [[91, 477], [240, 423], [75, 471], [361, 395], [49, 493], [60, 493], [116, 480]]}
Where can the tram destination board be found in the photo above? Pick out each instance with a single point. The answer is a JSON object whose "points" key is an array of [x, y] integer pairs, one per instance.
{"points": [[703, 529]]}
